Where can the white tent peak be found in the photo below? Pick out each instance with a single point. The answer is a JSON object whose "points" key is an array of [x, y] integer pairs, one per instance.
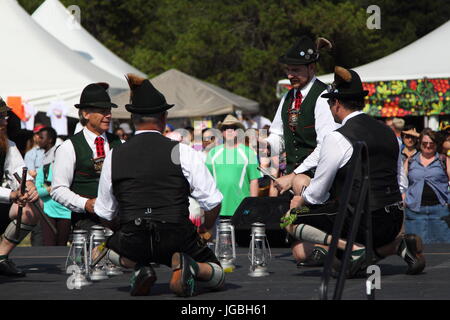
{"points": [[59, 22], [39, 68], [427, 57]]}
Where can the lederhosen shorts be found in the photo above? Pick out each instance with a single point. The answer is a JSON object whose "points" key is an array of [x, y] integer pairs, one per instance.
{"points": [[385, 225], [154, 241]]}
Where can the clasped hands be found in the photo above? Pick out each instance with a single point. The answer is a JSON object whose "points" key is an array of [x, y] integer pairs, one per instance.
{"points": [[29, 196]]}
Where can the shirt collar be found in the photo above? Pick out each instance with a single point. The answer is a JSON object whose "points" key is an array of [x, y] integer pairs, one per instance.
{"points": [[90, 136], [351, 115], [146, 131]]}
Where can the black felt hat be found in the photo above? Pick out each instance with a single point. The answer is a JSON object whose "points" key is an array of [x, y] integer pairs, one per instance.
{"points": [[145, 98], [304, 51], [347, 85], [95, 95]]}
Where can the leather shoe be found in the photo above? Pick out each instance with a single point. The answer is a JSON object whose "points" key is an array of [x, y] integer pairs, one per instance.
{"points": [[142, 280], [182, 282], [9, 269], [410, 249], [315, 259]]}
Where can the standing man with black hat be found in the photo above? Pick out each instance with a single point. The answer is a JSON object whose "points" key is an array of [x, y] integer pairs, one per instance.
{"points": [[303, 118], [301, 122], [146, 183], [12, 162], [79, 160], [346, 100]]}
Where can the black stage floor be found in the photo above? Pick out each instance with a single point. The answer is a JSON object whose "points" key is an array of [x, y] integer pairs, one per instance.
{"points": [[46, 280]]}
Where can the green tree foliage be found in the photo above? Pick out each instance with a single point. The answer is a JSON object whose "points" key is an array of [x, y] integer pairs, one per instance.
{"points": [[235, 44]]}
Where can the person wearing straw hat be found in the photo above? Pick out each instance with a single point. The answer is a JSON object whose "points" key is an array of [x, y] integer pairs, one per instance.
{"points": [[12, 162], [322, 196], [78, 161], [234, 166], [146, 183]]}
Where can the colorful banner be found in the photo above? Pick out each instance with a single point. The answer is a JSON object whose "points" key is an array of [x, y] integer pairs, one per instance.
{"points": [[399, 98], [422, 97]]}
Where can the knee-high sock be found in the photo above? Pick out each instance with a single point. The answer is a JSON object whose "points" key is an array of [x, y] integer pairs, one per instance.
{"points": [[10, 232], [304, 232], [217, 278]]}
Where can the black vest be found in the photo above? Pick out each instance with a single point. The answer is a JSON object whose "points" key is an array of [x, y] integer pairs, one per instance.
{"points": [[383, 156], [148, 180]]}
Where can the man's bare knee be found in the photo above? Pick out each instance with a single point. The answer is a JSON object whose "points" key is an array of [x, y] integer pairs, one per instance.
{"points": [[300, 181]]}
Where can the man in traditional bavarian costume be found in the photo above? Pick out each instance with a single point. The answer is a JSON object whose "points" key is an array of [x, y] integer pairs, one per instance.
{"points": [[146, 183], [322, 196], [11, 162], [79, 160], [301, 122]]}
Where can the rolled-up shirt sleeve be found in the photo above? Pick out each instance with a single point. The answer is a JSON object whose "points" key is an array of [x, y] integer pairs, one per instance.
{"points": [[106, 205], [203, 186]]}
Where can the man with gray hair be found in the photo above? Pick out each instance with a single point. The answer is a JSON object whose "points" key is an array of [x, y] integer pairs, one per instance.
{"points": [[78, 161], [146, 183]]}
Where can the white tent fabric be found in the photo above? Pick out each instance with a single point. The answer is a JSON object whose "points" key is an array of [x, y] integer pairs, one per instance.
{"points": [[57, 20], [39, 68], [426, 57], [193, 97]]}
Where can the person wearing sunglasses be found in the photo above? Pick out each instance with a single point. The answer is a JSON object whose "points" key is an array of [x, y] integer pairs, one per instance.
{"points": [[233, 166], [409, 138], [427, 194]]}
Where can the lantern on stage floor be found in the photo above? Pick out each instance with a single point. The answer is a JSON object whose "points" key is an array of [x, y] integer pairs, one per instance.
{"points": [[111, 269], [77, 262], [259, 251], [97, 239], [226, 245]]}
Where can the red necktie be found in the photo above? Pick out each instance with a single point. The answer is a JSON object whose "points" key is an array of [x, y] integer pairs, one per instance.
{"points": [[100, 144], [295, 112]]}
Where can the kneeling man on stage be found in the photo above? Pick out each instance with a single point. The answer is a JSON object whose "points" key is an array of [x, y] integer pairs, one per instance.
{"points": [[11, 162], [146, 183], [322, 196]]}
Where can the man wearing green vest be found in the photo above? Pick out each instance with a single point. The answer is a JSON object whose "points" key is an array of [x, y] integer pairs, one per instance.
{"points": [[79, 160], [303, 117]]}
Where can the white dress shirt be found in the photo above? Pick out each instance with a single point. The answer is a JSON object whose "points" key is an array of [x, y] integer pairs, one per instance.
{"points": [[203, 186], [64, 169], [13, 164], [336, 151], [324, 124]]}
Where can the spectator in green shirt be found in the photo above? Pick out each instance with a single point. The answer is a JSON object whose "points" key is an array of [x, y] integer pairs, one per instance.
{"points": [[234, 167]]}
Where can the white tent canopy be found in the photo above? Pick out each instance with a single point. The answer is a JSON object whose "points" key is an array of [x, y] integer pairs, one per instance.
{"points": [[58, 21], [39, 68], [426, 57], [193, 97]]}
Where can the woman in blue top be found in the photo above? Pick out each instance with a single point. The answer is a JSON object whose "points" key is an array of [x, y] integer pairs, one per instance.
{"points": [[427, 194], [58, 214]]}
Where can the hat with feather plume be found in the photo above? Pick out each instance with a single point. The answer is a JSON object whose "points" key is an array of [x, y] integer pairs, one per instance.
{"points": [[144, 97], [347, 85], [304, 51]]}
